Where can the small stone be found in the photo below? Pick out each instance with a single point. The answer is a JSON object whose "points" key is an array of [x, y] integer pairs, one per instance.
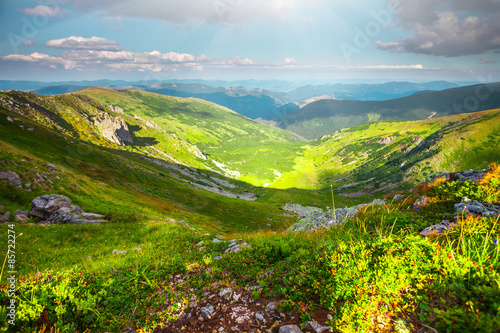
{"points": [[329, 317], [5, 217], [216, 240], [207, 311], [51, 167], [226, 293], [217, 258], [21, 216], [271, 307], [11, 178], [290, 329], [317, 328], [200, 318], [259, 317]]}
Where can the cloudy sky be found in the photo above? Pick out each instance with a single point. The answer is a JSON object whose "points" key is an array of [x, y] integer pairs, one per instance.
{"points": [[54, 40]]}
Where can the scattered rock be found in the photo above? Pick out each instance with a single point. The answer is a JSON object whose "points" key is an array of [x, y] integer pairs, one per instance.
{"points": [[469, 207], [290, 329], [319, 219], [313, 325], [207, 311], [438, 229], [271, 307], [21, 216], [185, 224], [5, 217], [259, 317], [43, 207], [387, 140], [462, 176], [11, 178], [226, 293], [51, 167], [10, 119], [398, 196], [216, 240], [420, 202], [57, 209]]}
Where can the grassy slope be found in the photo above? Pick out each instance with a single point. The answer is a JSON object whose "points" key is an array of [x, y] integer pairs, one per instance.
{"points": [[220, 133]]}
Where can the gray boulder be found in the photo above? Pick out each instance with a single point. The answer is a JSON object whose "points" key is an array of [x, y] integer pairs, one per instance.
{"points": [[319, 219], [12, 178], [290, 329], [477, 208], [57, 209], [314, 326], [438, 229], [43, 207], [462, 176], [5, 217], [21, 216], [207, 311]]}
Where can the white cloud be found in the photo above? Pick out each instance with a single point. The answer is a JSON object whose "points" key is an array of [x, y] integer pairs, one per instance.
{"points": [[77, 42], [447, 28], [183, 11], [383, 67], [290, 61], [42, 10], [41, 58]]}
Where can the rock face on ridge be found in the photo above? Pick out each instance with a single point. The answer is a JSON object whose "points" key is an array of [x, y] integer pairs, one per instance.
{"points": [[114, 129]]}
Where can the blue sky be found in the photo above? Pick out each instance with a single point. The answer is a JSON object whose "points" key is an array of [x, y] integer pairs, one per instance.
{"points": [[55, 40]]}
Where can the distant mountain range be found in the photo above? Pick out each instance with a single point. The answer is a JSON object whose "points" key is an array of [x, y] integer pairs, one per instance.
{"points": [[326, 116], [269, 100]]}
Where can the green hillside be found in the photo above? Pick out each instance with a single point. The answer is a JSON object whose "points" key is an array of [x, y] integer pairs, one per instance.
{"points": [[326, 116], [147, 162]]}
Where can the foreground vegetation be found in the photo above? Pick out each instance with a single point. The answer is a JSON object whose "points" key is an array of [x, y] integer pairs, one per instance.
{"points": [[372, 274]]}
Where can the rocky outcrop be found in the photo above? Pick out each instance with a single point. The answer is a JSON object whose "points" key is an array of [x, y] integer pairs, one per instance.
{"points": [[11, 178], [57, 209], [470, 175], [114, 129], [438, 229], [472, 207], [386, 140], [319, 219], [463, 209], [116, 109]]}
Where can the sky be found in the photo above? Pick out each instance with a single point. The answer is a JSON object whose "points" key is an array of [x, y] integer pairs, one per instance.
{"points": [[335, 40]]}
